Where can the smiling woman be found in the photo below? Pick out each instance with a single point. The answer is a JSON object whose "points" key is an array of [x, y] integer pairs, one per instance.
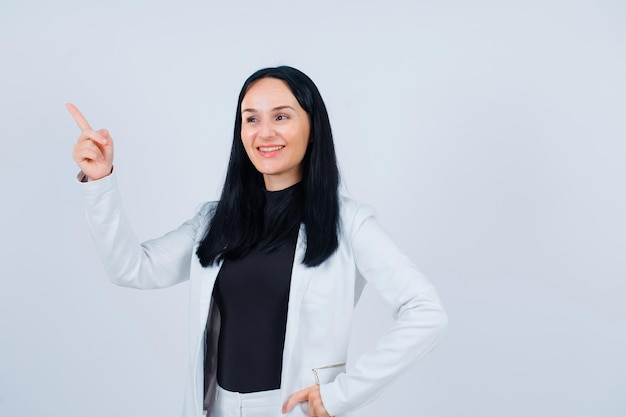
{"points": [[276, 266], [275, 132]]}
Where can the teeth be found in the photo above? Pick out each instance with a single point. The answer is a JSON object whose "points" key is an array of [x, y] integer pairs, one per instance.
{"points": [[272, 149]]}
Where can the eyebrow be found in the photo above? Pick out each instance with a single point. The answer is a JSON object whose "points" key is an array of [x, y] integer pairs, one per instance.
{"points": [[274, 109]]}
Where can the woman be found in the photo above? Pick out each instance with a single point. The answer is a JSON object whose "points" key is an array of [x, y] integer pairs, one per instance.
{"points": [[276, 266]]}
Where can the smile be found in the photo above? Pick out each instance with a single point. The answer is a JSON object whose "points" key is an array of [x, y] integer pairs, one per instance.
{"points": [[270, 149]]}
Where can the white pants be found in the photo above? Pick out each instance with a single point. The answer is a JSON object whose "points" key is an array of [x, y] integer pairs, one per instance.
{"points": [[254, 404]]}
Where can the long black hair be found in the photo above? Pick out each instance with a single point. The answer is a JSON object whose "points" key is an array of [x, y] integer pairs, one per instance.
{"points": [[236, 224]]}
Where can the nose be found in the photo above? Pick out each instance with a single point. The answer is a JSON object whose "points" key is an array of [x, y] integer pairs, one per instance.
{"points": [[266, 129]]}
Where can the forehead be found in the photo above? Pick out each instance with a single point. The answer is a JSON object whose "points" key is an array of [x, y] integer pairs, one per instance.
{"points": [[268, 92]]}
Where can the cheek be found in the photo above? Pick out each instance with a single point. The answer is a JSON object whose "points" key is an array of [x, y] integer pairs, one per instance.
{"points": [[305, 143], [247, 146], [246, 139], [301, 138]]}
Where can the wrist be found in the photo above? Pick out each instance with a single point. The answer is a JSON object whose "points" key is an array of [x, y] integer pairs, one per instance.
{"points": [[82, 177]]}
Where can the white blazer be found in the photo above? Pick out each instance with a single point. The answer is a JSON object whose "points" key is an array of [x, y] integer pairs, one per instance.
{"points": [[321, 301]]}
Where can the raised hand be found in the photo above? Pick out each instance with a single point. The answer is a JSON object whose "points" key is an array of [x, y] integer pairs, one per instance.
{"points": [[94, 150]]}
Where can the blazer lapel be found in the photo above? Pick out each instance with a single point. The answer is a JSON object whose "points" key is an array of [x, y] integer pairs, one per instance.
{"points": [[207, 281], [300, 279]]}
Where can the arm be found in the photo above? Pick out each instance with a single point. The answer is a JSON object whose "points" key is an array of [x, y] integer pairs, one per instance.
{"points": [[417, 311], [155, 263]]}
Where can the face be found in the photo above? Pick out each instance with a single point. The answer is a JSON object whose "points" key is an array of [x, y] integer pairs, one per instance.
{"points": [[275, 132]]}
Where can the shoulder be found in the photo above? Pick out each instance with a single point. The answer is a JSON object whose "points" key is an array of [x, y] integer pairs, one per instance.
{"points": [[204, 214], [353, 212], [350, 207], [207, 208]]}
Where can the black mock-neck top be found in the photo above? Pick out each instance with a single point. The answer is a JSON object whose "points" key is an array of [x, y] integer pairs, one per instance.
{"points": [[252, 294]]}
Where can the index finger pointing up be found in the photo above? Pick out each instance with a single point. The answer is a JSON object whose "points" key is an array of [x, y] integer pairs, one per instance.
{"points": [[78, 117]]}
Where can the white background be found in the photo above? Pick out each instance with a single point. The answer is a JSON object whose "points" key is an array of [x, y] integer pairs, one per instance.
{"points": [[490, 136]]}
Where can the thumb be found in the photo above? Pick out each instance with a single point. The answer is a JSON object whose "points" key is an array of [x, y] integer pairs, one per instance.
{"points": [[107, 147], [298, 397], [105, 133]]}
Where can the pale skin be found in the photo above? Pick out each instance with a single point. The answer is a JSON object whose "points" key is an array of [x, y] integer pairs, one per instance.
{"points": [[275, 132], [272, 117], [93, 151]]}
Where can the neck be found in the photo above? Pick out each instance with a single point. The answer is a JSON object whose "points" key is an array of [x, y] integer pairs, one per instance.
{"points": [[276, 184]]}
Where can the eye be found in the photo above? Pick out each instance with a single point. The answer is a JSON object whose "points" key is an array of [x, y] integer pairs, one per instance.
{"points": [[251, 119], [282, 117]]}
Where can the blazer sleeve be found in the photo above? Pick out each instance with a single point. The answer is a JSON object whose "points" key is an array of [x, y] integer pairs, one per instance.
{"points": [[419, 317], [156, 263]]}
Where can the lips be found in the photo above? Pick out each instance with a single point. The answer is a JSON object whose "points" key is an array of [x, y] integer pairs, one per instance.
{"points": [[270, 148]]}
